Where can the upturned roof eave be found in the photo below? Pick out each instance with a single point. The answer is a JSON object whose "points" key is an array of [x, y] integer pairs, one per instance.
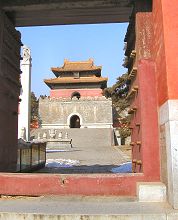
{"points": [[52, 85], [57, 70], [76, 81]]}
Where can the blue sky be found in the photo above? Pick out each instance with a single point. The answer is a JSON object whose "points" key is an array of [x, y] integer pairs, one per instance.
{"points": [[51, 45]]}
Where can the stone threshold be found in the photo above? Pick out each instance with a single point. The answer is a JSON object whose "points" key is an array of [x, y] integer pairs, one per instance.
{"points": [[83, 208]]}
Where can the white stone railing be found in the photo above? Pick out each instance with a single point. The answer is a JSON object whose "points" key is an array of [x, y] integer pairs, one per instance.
{"points": [[31, 155]]}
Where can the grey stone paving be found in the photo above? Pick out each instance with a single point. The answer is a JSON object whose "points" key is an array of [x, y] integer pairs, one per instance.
{"points": [[82, 205], [92, 148]]}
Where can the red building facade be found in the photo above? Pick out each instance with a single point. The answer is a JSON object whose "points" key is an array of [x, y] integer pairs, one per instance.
{"points": [[76, 98], [81, 76]]}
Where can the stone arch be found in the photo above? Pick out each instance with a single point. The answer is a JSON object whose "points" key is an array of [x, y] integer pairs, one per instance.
{"points": [[72, 115]]}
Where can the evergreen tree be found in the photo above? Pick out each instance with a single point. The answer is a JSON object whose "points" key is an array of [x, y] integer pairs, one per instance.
{"points": [[34, 106], [118, 93]]}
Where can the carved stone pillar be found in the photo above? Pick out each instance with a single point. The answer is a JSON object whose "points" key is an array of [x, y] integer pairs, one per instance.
{"points": [[25, 107]]}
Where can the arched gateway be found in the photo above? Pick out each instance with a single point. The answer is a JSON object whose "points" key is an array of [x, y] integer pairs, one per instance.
{"points": [[75, 121]]}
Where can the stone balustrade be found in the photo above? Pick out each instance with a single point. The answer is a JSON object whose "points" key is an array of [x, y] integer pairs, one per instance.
{"points": [[31, 155]]}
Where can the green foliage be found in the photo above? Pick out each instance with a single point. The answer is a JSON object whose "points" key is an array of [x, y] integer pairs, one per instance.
{"points": [[118, 92], [34, 106], [124, 126]]}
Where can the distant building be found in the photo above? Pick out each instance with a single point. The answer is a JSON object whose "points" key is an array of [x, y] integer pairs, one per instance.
{"points": [[76, 99]]}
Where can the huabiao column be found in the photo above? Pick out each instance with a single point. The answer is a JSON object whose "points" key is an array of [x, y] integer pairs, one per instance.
{"points": [[24, 108]]}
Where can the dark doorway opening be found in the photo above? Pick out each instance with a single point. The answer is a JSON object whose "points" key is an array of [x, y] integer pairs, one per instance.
{"points": [[75, 121], [75, 94]]}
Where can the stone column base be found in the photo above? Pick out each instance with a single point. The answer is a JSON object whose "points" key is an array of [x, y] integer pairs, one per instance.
{"points": [[151, 192], [169, 148]]}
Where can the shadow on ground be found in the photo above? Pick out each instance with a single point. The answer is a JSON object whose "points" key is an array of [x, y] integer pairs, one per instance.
{"points": [[84, 169]]}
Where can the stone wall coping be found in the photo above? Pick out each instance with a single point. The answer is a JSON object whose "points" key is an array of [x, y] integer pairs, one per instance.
{"points": [[89, 98]]}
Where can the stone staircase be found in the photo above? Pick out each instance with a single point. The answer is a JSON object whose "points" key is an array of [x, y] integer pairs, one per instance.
{"points": [[81, 137], [91, 147]]}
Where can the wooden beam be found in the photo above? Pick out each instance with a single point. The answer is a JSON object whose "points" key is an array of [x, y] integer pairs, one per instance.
{"points": [[53, 12]]}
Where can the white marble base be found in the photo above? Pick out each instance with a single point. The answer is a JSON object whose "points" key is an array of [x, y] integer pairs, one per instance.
{"points": [[151, 192], [86, 125], [169, 118]]}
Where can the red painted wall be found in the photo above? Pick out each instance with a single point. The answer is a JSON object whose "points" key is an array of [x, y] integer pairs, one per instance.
{"points": [[165, 48], [56, 184], [145, 129], [149, 120], [158, 49], [66, 93], [170, 23]]}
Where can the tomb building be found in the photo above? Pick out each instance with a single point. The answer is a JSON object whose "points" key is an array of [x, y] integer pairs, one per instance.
{"points": [[76, 98]]}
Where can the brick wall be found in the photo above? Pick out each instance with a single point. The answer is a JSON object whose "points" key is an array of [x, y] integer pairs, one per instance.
{"points": [[92, 111]]}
